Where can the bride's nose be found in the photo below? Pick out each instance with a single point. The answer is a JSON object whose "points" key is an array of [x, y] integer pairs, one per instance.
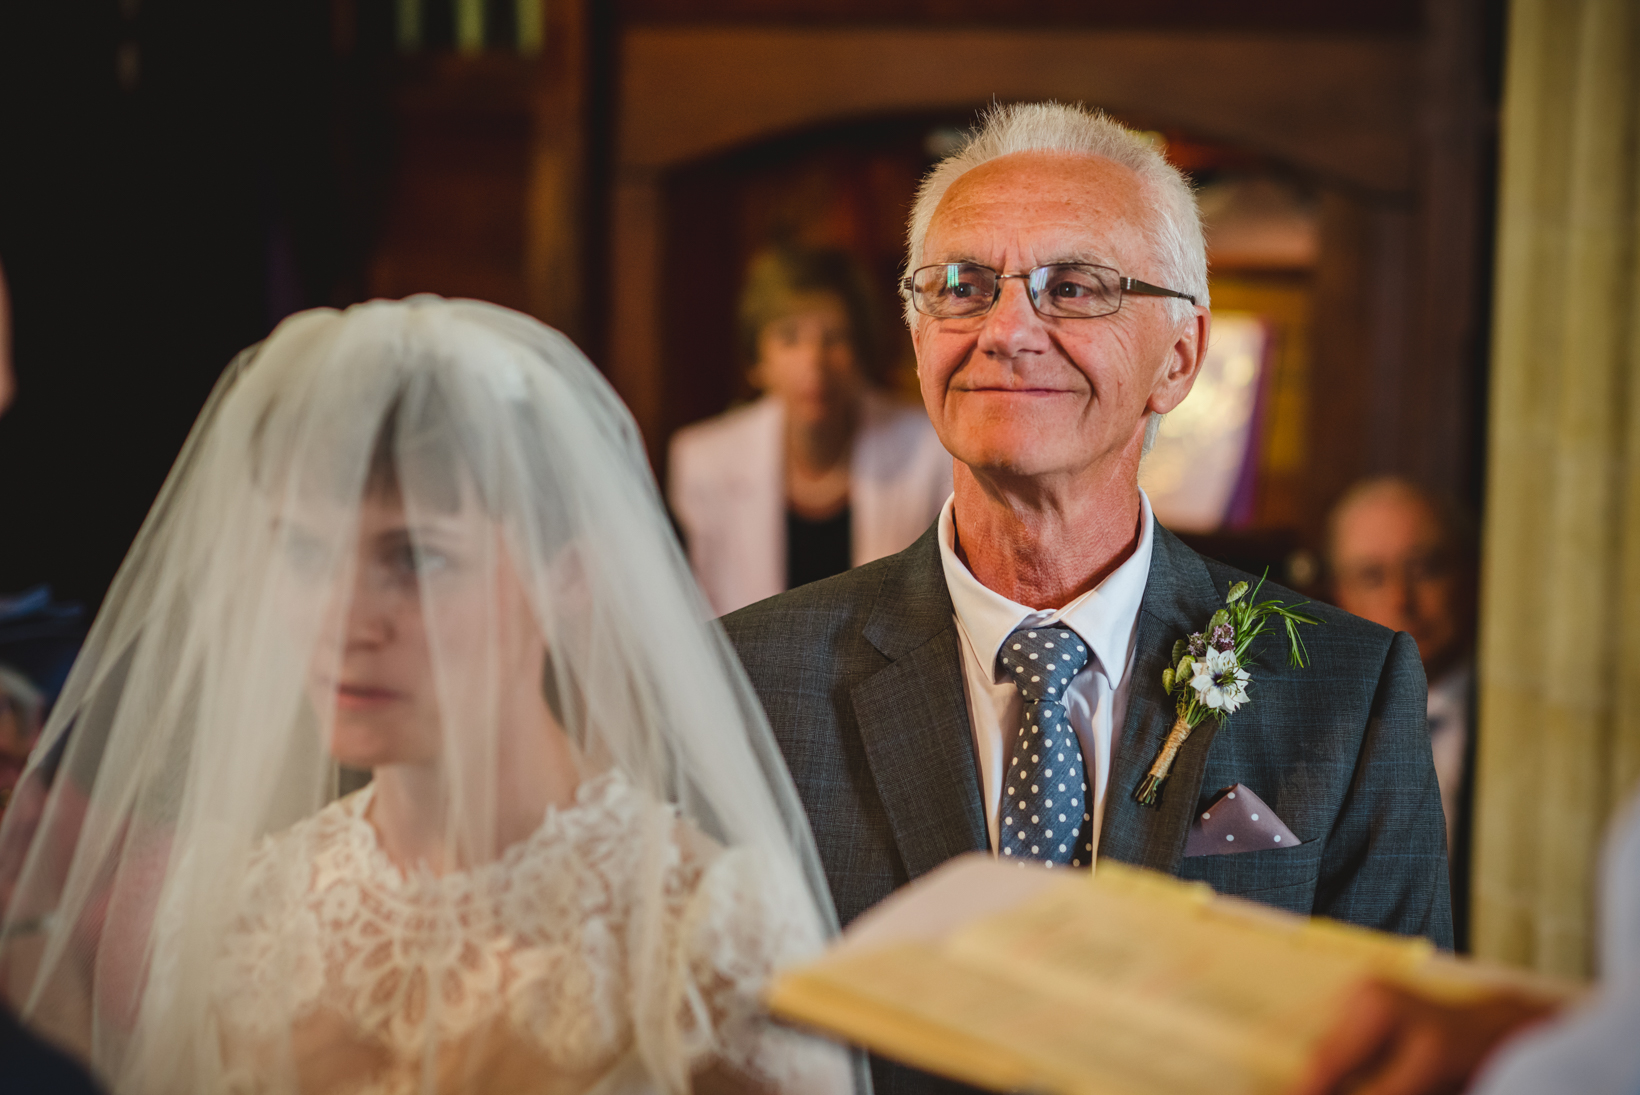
{"points": [[372, 614]]}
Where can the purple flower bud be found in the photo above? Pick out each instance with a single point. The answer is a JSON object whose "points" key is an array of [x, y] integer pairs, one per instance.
{"points": [[1198, 645], [1224, 637]]}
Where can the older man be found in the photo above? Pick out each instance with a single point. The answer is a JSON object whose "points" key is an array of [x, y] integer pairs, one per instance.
{"points": [[1057, 296]]}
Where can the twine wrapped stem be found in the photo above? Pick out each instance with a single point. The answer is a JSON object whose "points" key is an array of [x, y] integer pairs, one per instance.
{"points": [[1150, 791]]}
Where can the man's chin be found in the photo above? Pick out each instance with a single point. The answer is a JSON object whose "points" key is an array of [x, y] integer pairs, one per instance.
{"points": [[1012, 458]]}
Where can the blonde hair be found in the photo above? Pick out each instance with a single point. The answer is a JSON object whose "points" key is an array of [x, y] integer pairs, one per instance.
{"points": [[778, 275]]}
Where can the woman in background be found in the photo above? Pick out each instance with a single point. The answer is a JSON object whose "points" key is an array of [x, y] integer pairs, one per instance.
{"points": [[826, 470]]}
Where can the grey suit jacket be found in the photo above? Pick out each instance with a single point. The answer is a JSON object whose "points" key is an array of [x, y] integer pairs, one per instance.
{"points": [[861, 676]]}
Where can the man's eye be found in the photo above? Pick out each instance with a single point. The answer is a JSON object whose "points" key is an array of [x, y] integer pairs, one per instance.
{"points": [[966, 284], [1073, 287]]}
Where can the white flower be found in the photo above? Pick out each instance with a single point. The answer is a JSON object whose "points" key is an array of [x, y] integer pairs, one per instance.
{"points": [[1201, 679], [1234, 687], [1220, 662], [1219, 681]]}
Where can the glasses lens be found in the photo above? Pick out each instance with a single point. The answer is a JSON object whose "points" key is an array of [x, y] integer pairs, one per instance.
{"points": [[953, 289], [1075, 289]]}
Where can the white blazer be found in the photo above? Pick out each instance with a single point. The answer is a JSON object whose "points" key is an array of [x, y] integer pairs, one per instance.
{"points": [[726, 484]]}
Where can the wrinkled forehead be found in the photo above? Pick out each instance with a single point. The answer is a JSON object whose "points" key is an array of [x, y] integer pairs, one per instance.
{"points": [[1028, 208]]}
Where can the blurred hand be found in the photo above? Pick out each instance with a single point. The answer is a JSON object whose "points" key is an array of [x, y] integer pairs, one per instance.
{"points": [[1390, 1041]]}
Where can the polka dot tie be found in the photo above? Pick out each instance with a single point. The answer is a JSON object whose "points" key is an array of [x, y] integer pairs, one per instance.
{"points": [[1045, 803]]}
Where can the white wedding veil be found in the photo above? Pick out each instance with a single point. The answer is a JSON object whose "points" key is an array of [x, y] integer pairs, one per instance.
{"points": [[456, 461]]}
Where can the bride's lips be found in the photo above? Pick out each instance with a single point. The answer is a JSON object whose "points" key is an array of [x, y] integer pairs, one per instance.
{"points": [[365, 697]]}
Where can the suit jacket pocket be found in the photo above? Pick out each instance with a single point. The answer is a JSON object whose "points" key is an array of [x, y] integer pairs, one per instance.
{"points": [[1282, 877]]}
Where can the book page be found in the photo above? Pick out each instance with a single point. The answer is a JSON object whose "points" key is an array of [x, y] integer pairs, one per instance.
{"points": [[1128, 983]]}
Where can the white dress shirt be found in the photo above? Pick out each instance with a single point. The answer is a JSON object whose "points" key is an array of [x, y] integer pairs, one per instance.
{"points": [[1106, 617], [1448, 717]]}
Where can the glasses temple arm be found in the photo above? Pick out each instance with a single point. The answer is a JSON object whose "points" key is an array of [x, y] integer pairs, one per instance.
{"points": [[1145, 289]]}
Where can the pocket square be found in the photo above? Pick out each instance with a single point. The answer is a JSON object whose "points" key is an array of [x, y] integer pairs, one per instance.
{"points": [[1236, 820]]}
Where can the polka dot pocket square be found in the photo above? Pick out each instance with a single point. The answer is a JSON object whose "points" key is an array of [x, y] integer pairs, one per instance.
{"points": [[1236, 820]]}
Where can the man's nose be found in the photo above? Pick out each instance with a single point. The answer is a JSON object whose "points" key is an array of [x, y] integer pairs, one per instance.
{"points": [[1405, 591], [1012, 326]]}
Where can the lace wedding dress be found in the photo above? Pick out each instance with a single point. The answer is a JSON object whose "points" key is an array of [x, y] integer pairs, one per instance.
{"points": [[517, 971]]}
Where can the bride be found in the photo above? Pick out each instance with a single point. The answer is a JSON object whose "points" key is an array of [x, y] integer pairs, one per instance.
{"points": [[403, 757]]}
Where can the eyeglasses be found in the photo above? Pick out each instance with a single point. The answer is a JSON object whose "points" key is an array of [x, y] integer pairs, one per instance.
{"points": [[1063, 290]]}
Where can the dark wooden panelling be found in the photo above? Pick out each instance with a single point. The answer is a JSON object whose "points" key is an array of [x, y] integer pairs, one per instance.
{"points": [[455, 218], [1355, 16], [1340, 107]]}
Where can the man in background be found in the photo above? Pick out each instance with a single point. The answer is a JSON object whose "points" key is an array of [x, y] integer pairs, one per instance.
{"points": [[1401, 557]]}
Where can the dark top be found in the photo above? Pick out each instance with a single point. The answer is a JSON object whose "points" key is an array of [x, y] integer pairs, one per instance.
{"points": [[817, 549], [29, 1066], [861, 676]]}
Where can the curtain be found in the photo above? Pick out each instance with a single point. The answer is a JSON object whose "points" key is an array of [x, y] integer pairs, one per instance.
{"points": [[1559, 665]]}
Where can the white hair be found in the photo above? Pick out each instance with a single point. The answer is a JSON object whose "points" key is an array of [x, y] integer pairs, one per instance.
{"points": [[1175, 228]]}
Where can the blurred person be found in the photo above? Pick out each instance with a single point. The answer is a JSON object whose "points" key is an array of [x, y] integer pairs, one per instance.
{"points": [[27, 1063], [420, 540], [39, 637], [1401, 557], [21, 706], [1391, 1041], [826, 470], [1056, 291]]}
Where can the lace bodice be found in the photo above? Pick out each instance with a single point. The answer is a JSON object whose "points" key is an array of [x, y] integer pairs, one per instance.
{"points": [[545, 970]]}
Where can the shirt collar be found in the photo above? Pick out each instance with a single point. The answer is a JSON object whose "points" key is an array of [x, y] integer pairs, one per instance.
{"points": [[1103, 616]]}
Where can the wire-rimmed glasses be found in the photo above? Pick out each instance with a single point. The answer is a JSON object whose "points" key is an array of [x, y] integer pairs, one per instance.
{"points": [[1062, 290]]}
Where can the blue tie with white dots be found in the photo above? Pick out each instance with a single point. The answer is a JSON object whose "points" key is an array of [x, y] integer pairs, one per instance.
{"points": [[1046, 808]]}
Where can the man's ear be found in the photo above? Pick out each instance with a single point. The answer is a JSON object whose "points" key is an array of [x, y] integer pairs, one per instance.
{"points": [[1183, 364]]}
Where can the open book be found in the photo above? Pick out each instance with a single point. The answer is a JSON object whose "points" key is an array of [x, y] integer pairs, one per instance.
{"points": [[1125, 982]]}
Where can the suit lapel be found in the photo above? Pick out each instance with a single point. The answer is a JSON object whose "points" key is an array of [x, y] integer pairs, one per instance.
{"points": [[913, 716], [1179, 598]]}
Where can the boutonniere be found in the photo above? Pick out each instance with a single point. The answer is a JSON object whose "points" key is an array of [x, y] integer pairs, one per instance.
{"points": [[1207, 674]]}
